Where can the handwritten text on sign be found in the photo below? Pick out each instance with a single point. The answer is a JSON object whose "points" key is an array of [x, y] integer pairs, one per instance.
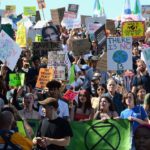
{"points": [[9, 50], [119, 53]]}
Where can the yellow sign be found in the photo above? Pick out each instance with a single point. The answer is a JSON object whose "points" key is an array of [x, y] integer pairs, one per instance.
{"points": [[45, 75], [21, 35], [134, 29]]}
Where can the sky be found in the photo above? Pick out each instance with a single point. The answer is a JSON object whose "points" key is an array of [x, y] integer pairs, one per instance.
{"points": [[113, 8]]}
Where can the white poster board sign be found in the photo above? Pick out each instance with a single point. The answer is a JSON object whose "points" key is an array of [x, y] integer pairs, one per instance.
{"points": [[146, 57], [71, 23], [119, 53], [9, 51], [92, 27]]}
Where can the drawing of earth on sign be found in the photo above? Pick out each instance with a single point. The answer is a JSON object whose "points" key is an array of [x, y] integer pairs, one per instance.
{"points": [[120, 56]]}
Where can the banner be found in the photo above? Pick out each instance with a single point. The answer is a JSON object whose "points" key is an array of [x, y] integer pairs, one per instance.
{"points": [[70, 95], [101, 135], [16, 79], [73, 8], [21, 35], [9, 51], [41, 4], [30, 11], [45, 75], [146, 57], [146, 11], [119, 53], [80, 46], [56, 58], [57, 15], [135, 29]]}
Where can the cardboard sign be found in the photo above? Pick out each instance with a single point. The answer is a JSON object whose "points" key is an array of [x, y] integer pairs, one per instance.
{"points": [[146, 56], [56, 58], [119, 53], [71, 23], [146, 11], [57, 15], [10, 10], [98, 20], [100, 36], [41, 4], [16, 80], [73, 8], [80, 46], [69, 15], [59, 72], [102, 63], [9, 51], [21, 35], [83, 17], [45, 75], [110, 25], [70, 95], [30, 11], [135, 29], [42, 48]]}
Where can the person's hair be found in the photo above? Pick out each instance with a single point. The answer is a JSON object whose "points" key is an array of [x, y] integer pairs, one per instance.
{"points": [[111, 107], [111, 79], [88, 100], [28, 95], [126, 95], [53, 84], [34, 58]]}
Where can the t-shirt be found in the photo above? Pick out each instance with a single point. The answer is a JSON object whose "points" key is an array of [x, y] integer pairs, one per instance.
{"points": [[137, 112], [57, 129]]}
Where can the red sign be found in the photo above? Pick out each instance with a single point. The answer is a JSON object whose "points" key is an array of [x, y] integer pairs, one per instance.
{"points": [[70, 95]]}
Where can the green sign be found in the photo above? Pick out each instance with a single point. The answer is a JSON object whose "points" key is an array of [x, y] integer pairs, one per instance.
{"points": [[30, 11], [16, 79], [98, 135], [21, 128]]}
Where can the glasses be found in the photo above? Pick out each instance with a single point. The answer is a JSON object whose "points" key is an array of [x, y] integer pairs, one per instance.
{"points": [[100, 89]]}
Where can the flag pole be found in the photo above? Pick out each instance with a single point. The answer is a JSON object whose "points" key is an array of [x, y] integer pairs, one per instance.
{"points": [[43, 13]]}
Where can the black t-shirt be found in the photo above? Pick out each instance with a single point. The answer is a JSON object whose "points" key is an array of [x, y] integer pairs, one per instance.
{"points": [[58, 128]]}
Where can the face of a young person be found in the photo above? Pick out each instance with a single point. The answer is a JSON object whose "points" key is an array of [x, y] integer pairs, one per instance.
{"points": [[82, 98], [111, 86], [104, 104], [142, 139], [100, 90], [129, 100]]}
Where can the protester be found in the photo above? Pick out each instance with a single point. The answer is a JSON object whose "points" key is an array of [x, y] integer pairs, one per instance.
{"points": [[106, 109], [54, 133], [147, 104]]}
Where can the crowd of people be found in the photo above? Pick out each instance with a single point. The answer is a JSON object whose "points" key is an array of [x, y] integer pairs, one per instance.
{"points": [[102, 95]]}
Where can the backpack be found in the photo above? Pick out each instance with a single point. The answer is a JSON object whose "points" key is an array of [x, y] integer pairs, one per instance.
{"points": [[8, 145]]}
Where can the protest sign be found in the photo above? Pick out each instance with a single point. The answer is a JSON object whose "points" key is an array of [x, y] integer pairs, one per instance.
{"points": [[41, 4], [59, 72], [10, 10], [73, 8], [69, 15], [82, 18], [56, 58], [96, 135], [110, 25], [9, 51], [57, 15], [16, 79], [80, 46], [146, 56], [102, 63], [38, 16], [30, 11], [92, 27], [45, 75], [146, 11], [21, 35], [70, 95], [100, 36], [119, 53], [42, 48], [134, 29], [71, 23], [21, 128], [99, 20]]}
